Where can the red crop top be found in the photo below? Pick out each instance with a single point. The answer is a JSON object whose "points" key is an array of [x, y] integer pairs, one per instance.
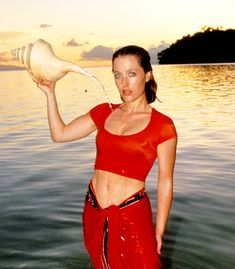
{"points": [[130, 155]]}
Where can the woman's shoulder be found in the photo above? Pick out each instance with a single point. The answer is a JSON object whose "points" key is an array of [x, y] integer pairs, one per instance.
{"points": [[159, 116], [104, 107], [100, 106], [164, 126], [101, 111]]}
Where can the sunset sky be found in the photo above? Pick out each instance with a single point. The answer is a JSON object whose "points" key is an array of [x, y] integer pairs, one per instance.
{"points": [[87, 31]]}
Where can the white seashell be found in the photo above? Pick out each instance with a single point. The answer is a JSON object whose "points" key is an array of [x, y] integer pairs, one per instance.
{"points": [[27, 55], [21, 55], [44, 64]]}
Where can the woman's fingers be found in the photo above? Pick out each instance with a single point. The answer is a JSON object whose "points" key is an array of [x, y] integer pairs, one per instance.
{"points": [[38, 81], [159, 244], [45, 85]]}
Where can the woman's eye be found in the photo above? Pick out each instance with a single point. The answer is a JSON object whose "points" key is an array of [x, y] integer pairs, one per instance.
{"points": [[132, 74], [117, 76]]}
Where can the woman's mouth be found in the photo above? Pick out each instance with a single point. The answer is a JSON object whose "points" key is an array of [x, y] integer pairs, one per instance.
{"points": [[126, 92]]}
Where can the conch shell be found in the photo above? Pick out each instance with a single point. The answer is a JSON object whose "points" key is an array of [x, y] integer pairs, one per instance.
{"points": [[44, 64]]}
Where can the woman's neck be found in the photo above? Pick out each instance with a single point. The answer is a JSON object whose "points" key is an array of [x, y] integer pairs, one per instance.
{"points": [[136, 106]]}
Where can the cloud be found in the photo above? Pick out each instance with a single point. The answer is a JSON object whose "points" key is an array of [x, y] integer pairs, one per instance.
{"points": [[8, 62], [6, 57], [73, 43], [153, 51], [3, 57], [105, 53], [6, 35], [98, 53], [45, 25]]}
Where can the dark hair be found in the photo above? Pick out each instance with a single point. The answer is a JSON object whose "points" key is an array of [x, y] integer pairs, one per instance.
{"points": [[144, 61]]}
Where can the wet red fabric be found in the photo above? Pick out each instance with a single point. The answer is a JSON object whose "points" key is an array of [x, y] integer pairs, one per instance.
{"points": [[131, 236], [130, 155]]}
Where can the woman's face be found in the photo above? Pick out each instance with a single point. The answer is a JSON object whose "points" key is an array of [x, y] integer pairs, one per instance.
{"points": [[130, 78]]}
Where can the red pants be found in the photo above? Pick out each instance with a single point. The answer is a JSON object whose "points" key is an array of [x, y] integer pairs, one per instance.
{"points": [[120, 237]]}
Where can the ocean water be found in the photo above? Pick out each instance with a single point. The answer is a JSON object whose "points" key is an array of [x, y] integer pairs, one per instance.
{"points": [[42, 184]]}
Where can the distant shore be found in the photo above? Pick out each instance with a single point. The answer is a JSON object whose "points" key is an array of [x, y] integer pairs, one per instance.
{"points": [[10, 68], [19, 68]]}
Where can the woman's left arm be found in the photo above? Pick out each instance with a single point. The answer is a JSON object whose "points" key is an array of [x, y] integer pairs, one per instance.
{"points": [[166, 161]]}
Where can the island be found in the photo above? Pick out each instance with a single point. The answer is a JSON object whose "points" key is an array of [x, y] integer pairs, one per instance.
{"points": [[207, 46]]}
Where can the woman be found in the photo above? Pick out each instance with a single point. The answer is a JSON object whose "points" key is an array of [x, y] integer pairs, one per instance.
{"points": [[117, 217]]}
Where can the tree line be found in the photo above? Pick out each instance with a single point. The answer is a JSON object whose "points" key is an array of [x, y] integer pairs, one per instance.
{"points": [[207, 46]]}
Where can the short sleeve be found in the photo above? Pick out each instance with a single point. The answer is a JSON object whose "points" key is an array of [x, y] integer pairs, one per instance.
{"points": [[99, 113], [168, 131]]}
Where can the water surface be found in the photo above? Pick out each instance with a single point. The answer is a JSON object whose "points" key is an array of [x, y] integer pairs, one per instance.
{"points": [[42, 184]]}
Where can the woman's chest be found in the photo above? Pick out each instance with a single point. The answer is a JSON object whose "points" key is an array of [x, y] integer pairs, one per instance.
{"points": [[127, 124]]}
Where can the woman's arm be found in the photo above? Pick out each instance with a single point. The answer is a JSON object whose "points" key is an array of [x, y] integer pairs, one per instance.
{"points": [[166, 162], [77, 129]]}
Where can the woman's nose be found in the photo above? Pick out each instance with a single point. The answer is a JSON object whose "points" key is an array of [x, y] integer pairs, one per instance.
{"points": [[125, 81]]}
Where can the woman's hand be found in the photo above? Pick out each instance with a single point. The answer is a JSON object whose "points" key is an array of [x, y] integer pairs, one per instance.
{"points": [[46, 86], [159, 243]]}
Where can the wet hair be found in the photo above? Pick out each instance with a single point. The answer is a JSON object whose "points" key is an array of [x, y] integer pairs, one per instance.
{"points": [[144, 61]]}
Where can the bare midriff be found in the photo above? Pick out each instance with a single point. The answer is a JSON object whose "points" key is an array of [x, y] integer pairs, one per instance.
{"points": [[113, 189]]}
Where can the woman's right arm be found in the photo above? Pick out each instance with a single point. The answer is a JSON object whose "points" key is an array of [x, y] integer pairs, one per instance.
{"points": [[60, 132]]}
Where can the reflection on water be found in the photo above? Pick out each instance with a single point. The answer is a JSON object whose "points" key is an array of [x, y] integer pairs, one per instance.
{"points": [[42, 184]]}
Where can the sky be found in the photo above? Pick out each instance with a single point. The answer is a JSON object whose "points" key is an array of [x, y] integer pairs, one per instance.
{"points": [[88, 31]]}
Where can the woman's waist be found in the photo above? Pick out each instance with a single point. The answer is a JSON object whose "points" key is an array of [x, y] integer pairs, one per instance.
{"points": [[112, 189]]}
